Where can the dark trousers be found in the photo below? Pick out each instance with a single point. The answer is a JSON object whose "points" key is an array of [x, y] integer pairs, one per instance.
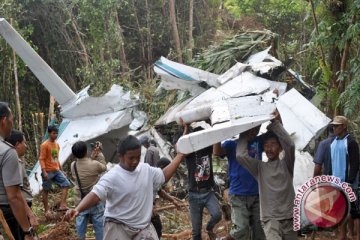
{"points": [[15, 228], [12, 222], [156, 222]]}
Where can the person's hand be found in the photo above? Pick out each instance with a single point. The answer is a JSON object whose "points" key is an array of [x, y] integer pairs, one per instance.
{"points": [[276, 92], [184, 125], [45, 175], [70, 214], [33, 221], [276, 115], [95, 152], [154, 211]]}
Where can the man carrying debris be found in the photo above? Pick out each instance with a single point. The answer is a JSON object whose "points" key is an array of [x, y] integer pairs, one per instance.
{"points": [[11, 198], [275, 179], [51, 169], [342, 161], [201, 189], [86, 172], [128, 189], [243, 191], [17, 139], [152, 155]]}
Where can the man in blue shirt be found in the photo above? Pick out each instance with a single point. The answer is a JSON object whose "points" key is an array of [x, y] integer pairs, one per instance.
{"points": [[339, 156], [243, 192]]}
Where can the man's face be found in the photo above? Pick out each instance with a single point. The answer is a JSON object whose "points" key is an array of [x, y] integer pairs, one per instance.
{"points": [[130, 160], [339, 129], [272, 149], [251, 133], [8, 123], [21, 147], [53, 135]]}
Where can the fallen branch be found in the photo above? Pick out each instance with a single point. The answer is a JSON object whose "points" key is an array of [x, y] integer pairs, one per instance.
{"points": [[184, 234], [170, 207]]}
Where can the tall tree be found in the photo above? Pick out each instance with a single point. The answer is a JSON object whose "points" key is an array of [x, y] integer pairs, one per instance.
{"points": [[191, 25], [175, 31], [122, 54]]}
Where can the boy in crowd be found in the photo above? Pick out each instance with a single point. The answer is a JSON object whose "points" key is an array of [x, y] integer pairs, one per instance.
{"points": [[201, 189], [275, 179], [51, 169], [86, 172], [128, 189]]}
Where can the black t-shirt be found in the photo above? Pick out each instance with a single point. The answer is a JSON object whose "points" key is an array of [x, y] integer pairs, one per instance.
{"points": [[200, 171]]}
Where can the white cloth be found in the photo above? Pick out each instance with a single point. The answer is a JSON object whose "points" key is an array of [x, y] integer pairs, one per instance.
{"points": [[129, 195]]}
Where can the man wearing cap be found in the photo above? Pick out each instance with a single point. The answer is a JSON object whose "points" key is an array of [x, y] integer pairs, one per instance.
{"points": [[152, 155], [12, 202], [343, 162]]}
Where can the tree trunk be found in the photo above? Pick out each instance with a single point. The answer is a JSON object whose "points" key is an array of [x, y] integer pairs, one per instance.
{"points": [[149, 41], [35, 130], [345, 56], [142, 41], [124, 63], [17, 95], [175, 31], [191, 24], [51, 108], [84, 55], [317, 31]]}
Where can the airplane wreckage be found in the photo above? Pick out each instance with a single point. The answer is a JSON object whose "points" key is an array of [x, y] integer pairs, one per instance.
{"points": [[241, 98]]}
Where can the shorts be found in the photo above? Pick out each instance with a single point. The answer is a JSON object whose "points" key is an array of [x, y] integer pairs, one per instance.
{"points": [[56, 177]]}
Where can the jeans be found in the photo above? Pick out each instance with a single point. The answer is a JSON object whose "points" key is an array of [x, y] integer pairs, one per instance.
{"points": [[245, 216], [96, 213], [197, 202]]}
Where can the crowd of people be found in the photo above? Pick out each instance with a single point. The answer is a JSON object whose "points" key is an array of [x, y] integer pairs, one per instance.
{"points": [[121, 203]]}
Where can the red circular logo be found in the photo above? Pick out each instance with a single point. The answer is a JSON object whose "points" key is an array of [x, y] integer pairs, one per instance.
{"points": [[326, 206]]}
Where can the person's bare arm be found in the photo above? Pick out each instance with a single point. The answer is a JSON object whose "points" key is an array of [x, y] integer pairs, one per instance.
{"points": [[16, 202], [317, 170], [31, 216], [42, 159], [87, 202], [171, 168], [242, 156], [163, 194], [218, 150]]}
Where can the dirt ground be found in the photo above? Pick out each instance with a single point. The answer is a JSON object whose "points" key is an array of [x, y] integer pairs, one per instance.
{"points": [[176, 223]]}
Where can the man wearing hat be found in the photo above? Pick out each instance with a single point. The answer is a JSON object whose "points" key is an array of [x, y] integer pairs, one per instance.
{"points": [[344, 162]]}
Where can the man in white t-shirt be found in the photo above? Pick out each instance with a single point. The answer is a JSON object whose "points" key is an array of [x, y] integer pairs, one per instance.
{"points": [[128, 190]]}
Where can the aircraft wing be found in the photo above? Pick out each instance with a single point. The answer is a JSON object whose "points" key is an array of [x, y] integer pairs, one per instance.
{"points": [[52, 82]]}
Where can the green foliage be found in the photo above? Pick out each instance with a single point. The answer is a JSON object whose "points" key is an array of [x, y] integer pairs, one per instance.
{"points": [[219, 58], [280, 16]]}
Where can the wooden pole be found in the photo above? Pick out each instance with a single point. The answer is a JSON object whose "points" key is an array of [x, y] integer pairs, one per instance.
{"points": [[6, 226]]}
